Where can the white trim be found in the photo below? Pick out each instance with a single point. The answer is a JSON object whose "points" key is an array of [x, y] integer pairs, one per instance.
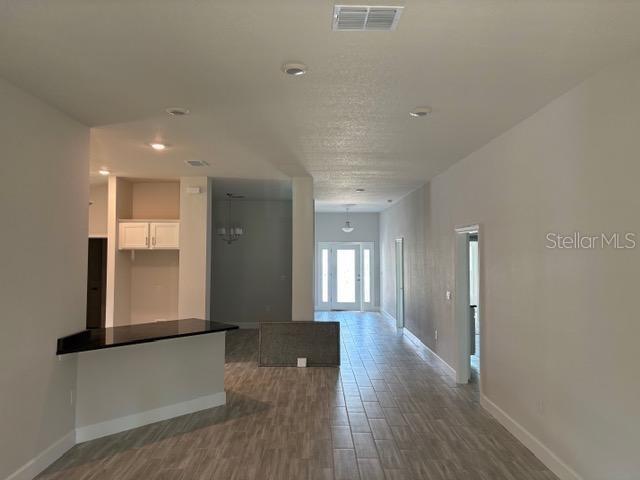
{"points": [[139, 419], [45, 458], [387, 316], [407, 333], [540, 450]]}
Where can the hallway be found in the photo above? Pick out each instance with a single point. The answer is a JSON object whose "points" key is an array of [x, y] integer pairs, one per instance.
{"points": [[390, 412]]}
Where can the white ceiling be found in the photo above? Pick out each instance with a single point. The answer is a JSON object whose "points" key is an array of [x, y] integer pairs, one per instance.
{"points": [[482, 65]]}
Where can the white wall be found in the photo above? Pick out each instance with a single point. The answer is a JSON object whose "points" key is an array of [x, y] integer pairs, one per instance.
{"points": [[44, 197], [328, 228], [560, 327], [252, 276], [194, 282], [98, 198]]}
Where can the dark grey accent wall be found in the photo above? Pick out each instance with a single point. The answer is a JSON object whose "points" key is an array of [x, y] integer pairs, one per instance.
{"points": [[252, 276]]}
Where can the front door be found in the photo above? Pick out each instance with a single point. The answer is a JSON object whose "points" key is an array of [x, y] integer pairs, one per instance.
{"points": [[345, 271]]}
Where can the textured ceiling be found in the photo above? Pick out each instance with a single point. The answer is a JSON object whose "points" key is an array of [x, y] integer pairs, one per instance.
{"points": [[482, 65]]}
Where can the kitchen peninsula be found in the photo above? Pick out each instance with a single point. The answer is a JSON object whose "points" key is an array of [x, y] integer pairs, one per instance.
{"points": [[133, 375]]}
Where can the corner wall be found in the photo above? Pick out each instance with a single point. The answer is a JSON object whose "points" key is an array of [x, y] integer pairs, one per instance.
{"points": [[560, 326], [44, 200]]}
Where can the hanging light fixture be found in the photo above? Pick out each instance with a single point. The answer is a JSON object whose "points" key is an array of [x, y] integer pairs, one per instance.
{"points": [[229, 232], [347, 224]]}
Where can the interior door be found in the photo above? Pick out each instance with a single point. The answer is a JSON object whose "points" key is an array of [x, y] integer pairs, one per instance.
{"points": [[400, 283], [96, 282], [346, 277]]}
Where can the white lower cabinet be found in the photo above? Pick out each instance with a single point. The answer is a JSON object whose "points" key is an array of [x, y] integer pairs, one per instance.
{"points": [[143, 235]]}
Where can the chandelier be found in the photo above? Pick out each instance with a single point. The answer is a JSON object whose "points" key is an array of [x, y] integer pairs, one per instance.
{"points": [[230, 232], [347, 228]]}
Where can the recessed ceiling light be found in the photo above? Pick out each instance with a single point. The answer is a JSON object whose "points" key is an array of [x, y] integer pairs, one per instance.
{"points": [[359, 190], [177, 111], [294, 69], [158, 146], [104, 171], [420, 112]]}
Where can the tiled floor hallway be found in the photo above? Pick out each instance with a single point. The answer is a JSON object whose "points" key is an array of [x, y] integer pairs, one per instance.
{"points": [[390, 411]]}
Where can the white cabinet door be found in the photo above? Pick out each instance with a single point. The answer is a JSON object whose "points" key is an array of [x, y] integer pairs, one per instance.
{"points": [[133, 235], [165, 235]]}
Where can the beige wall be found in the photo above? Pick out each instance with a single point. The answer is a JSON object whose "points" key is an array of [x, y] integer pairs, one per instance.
{"points": [[98, 203], [44, 197], [156, 200], [154, 286], [560, 327], [195, 248]]}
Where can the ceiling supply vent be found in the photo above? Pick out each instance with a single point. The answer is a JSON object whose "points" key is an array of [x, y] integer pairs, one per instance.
{"points": [[196, 163], [359, 18]]}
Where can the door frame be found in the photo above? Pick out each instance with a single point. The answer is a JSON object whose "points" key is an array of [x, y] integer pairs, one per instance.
{"points": [[399, 282], [363, 306], [461, 300]]}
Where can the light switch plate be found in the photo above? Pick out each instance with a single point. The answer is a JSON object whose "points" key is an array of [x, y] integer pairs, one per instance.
{"points": [[448, 295], [302, 362]]}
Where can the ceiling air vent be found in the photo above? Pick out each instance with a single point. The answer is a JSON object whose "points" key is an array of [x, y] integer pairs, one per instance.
{"points": [[358, 18], [196, 163]]}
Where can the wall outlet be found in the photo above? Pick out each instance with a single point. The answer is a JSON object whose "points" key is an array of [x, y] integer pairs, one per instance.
{"points": [[71, 399], [302, 362], [448, 295], [436, 334]]}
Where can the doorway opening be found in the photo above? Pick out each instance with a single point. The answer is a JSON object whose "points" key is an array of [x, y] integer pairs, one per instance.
{"points": [[399, 282], [467, 303], [344, 275], [97, 283]]}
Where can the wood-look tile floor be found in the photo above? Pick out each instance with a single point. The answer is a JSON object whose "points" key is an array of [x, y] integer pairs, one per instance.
{"points": [[390, 412]]}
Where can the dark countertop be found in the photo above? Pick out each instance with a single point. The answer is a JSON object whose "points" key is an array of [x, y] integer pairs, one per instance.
{"points": [[99, 338]]}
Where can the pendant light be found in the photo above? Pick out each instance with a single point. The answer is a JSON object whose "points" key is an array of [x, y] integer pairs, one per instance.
{"points": [[347, 224], [230, 232]]}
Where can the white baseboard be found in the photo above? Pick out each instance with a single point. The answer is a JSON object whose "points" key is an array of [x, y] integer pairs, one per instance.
{"points": [[45, 458], [546, 456], [97, 430], [387, 316], [407, 333]]}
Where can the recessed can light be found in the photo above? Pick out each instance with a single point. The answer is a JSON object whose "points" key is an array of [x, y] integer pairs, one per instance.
{"points": [[177, 111], [294, 69], [359, 190], [104, 171], [420, 112], [158, 146]]}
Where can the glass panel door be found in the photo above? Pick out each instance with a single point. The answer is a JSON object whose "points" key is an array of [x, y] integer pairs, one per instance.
{"points": [[346, 275]]}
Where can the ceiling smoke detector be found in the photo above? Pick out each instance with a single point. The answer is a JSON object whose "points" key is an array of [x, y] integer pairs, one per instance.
{"points": [[359, 18], [177, 111], [420, 112], [294, 69], [196, 163]]}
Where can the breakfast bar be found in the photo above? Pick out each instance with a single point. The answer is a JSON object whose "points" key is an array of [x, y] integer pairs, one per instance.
{"points": [[133, 375]]}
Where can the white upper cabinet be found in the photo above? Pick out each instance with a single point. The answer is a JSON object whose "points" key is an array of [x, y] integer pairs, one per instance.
{"points": [[133, 235], [165, 235], [143, 235]]}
